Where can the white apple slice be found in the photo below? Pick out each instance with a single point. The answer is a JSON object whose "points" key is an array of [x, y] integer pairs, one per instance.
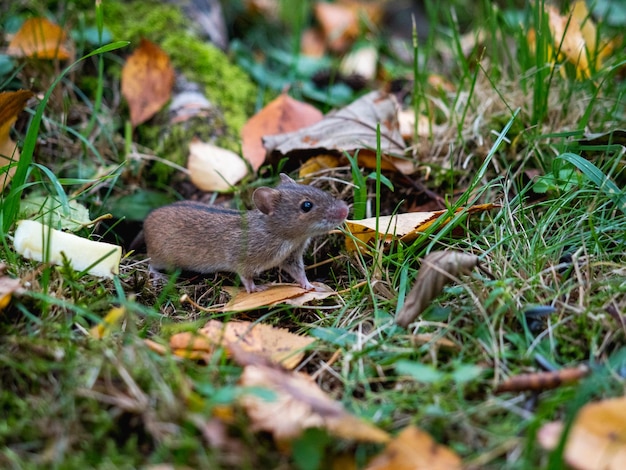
{"points": [[32, 239]]}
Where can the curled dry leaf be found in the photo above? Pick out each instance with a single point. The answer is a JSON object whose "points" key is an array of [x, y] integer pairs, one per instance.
{"points": [[147, 81], [11, 104], [278, 345], [414, 449], [273, 295], [39, 38], [438, 269], [597, 439], [404, 227], [36, 241], [212, 168], [299, 404], [542, 380], [318, 163], [348, 129], [284, 114]]}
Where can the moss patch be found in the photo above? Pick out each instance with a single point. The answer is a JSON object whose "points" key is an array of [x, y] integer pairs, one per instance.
{"points": [[226, 85]]}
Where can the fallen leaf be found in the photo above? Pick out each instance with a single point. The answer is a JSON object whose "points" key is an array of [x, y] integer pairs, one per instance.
{"points": [[340, 23], [278, 345], [109, 322], [298, 404], [34, 240], [406, 121], [273, 295], [8, 287], [284, 114], [597, 439], [404, 227], [212, 168], [348, 129], [318, 163], [312, 43], [414, 449], [541, 381], [11, 104], [437, 269], [50, 210], [362, 61], [147, 81], [39, 38]]}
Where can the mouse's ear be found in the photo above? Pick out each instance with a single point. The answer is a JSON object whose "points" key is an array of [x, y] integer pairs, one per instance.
{"points": [[284, 179], [266, 199]]}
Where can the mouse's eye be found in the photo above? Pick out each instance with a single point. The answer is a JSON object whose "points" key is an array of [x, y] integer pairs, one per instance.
{"points": [[306, 206]]}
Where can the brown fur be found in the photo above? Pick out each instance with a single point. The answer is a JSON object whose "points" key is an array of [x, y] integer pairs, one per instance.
{"points": [[197, 237]]}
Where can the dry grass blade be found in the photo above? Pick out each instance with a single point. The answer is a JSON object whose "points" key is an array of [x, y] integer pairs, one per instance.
{"points": [[438, 269]]}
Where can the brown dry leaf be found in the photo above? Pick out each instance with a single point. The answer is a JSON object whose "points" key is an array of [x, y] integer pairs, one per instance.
{"points": [[404, 227], [348, 129], [213, 168], [276, 344], [597, 439], [341, 22], [273, 295], [147, 81], [39, 38], [11, 104], [414, 449], [300, 404], [284, 114], [8, 287], [438, 269]]}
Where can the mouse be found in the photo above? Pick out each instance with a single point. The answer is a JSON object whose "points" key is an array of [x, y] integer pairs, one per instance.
{"points": [[197, 237]]}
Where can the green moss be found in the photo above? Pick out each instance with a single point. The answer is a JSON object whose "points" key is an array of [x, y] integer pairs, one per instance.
{"points": [[227, 86]]}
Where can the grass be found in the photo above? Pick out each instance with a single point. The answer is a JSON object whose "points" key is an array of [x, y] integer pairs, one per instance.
{"points": [[72, 401]]}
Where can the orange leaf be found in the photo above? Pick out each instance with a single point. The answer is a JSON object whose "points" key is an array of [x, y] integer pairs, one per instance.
{"points": [[147, 81], [39, 38], [284, 114], [414, 449], [273, 295], [11, 104], [341, 22], [597, 438]]}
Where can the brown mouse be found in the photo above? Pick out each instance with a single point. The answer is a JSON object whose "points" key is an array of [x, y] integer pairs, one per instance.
{"points": [[196, 237]]}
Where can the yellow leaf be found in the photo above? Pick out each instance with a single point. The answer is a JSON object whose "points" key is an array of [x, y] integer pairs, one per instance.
{"points": [[109, 322], [404, 227]]}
